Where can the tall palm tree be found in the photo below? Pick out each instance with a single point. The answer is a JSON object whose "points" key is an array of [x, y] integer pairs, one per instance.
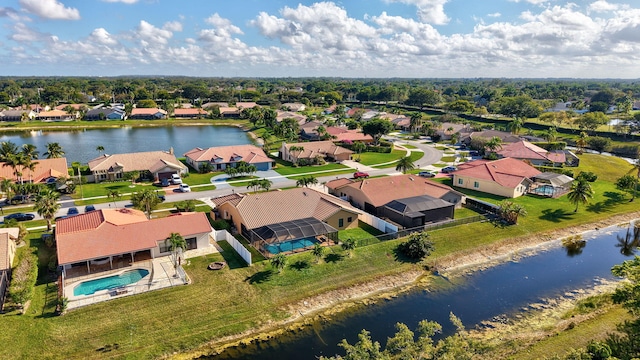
{"points": [[580, 193], [54, 150], [317, 251], [29, 150], [348, 245], [176, 245], [635, 170], [15, 162], [415, 122], [279, 262], [405, 164], [8, 148], [114, 194], [515, 125], [359, 147], [265, 184], [307, 180], [581, 142], [145, 200], [7, 186], [296, 150], [494, 144], [47, 205], [27, 163]]}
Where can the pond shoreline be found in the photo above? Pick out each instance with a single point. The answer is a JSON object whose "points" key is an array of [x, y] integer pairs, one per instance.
{"points": [[322, 307]]}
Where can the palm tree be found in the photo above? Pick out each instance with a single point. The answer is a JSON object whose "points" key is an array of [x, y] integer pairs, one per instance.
{"points": [[515, 125], [28, 163], [550, 134], [100, 149], [580, 193], [297, 150], [636, 170], [359, 147], [405, 164], [177, 244], [7, 187], [415, 122], [265, 184], [348, 245], [317, 251], [494, 144], [14, 161], [114, 194], [307, 180], [581, 142], [47, 205], [54, 150], [145, 200], [254, 184], [8, 148], [29, 150], [279, 262]]}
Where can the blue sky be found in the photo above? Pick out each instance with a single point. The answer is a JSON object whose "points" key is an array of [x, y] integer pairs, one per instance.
{"points": [[349, 38]]}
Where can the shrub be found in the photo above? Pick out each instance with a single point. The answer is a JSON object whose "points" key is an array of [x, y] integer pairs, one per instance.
{"points": [[417, 247], [587, 175], [221, 224], [24, 279], [599, 143]]}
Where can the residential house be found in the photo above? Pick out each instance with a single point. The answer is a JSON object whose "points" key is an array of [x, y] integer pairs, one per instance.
{"points": [[190, 113], [506, 177], [90, 241], [302, 214], [211, 105], [370, 114], [295, 107], [222, 157], [56, 115], [343, 134], [551, 184], [407, 200], [7, 253], [446, 129], [402, 122], [159, 165], [76, 107], [505, 137], [246, 104], [229, 112], [17, 115], [147, 114], [104, 113], [45, 171], [281, 115], [309, 131], [524, 150], [310, 150]]}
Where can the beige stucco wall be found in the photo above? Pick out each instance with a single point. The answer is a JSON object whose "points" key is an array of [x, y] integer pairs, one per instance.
{"points": [[227, 211], [355, 196], [345, 215], [490, 187], [201, 239]]}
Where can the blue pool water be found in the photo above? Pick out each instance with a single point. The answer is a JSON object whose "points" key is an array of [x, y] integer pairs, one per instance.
{"points": [[290, 245], [126, 278]]}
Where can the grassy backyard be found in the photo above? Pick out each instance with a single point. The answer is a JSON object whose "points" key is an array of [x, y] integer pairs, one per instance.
{"points": [[240, 298]]}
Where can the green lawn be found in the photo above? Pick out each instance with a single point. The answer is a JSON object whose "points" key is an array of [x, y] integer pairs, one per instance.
{"points": [[448, 158], [285, 168], [238, 298], [373, 158]]}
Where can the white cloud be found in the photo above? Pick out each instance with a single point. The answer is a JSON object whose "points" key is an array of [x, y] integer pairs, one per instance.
{"points": [[494, 15], [102, 36], [534, 2], [223, 25], [148, 34], [604, 6], [174, 26], [121, 1], [22, 33], [431, 11], [50, 9]]}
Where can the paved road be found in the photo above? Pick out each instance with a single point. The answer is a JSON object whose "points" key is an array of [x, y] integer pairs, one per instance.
{"points": [[431, 155]]}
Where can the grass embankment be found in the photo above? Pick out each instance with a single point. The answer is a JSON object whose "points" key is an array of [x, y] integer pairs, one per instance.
{"points": [[239, 298]]}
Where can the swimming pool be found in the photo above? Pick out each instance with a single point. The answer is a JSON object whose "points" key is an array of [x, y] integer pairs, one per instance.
{"points": [[126, 278], [290, 245]]}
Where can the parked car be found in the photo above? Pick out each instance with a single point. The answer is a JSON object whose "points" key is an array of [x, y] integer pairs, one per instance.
{"points": [[176, 179], [20, 199], [184, 188], [89, 208], [19, 217], [72, 211], [164, 182], [449, 169], [161, 197], [427, 174], [360, 175]]}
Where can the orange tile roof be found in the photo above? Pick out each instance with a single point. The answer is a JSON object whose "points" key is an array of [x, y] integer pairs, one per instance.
{"points": [[508, 172], [44, 169], [190, 111], [146, 111], [108, 232], [139, 161], [74, 106], [526, 150], [342, 134], [248, 153], [314, 148], [382, 190], [246, 104]]}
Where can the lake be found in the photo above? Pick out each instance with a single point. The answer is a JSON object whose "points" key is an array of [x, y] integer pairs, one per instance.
{"points": [[504, 289], [80, 145]]}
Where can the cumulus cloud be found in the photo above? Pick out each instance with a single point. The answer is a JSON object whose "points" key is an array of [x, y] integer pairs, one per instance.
{"points": [[50, 9], [494, 15], [604, 6], [431, 11], [102, 36], [222, 25], [174, 26], [148, 34]]}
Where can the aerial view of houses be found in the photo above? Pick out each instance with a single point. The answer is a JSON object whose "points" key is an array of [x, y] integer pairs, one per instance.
{"points": [[283, 180]]}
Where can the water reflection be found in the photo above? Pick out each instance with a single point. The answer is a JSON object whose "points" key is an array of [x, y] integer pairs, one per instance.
{"points": [[630, 241]]}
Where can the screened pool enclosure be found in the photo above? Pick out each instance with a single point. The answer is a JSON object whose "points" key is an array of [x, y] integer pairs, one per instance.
{"points": [[280, 235]]}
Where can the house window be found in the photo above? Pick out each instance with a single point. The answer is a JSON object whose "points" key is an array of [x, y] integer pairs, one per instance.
{"points": [[192, 243], [165, 246], [460, 181], [476, 184], [349, 219], [340, 222]]}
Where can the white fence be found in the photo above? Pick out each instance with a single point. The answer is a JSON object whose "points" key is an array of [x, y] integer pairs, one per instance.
{"points": [[378, 223], [237, 246]]}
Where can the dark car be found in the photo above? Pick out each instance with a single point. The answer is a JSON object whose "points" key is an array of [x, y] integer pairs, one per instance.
{"points": [[164, 182], [72, 211], [19, 217], [360, 175], [427, 174], [89, 208], [161, 197], [449, 169], [20, 199]]}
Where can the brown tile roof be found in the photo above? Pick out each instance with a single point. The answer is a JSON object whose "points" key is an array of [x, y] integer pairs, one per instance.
{"points": [[191, 111], [334, 184], [281, 115], [234, 199], [246, 104], [229, 110], [314, 148], [508, 172], [76, 107], [136, 161], [292, 204], [109, 232], [147, 111], [248, 153], [382, 190], [526, 150], [44, 168], [53, 113], [343, 134]]}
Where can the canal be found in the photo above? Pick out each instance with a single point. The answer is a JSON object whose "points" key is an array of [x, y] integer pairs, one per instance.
{"points": [[502, 290], [80, 145]]}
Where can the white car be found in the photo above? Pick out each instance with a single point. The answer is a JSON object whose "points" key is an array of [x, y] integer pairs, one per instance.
{"points": [[184, 188], [175, 179]]}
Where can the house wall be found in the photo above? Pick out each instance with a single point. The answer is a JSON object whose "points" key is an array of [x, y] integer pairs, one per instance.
{"points": [[227, 212], [334, 220], [354, 196], [202, 241], [489, 187]]}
